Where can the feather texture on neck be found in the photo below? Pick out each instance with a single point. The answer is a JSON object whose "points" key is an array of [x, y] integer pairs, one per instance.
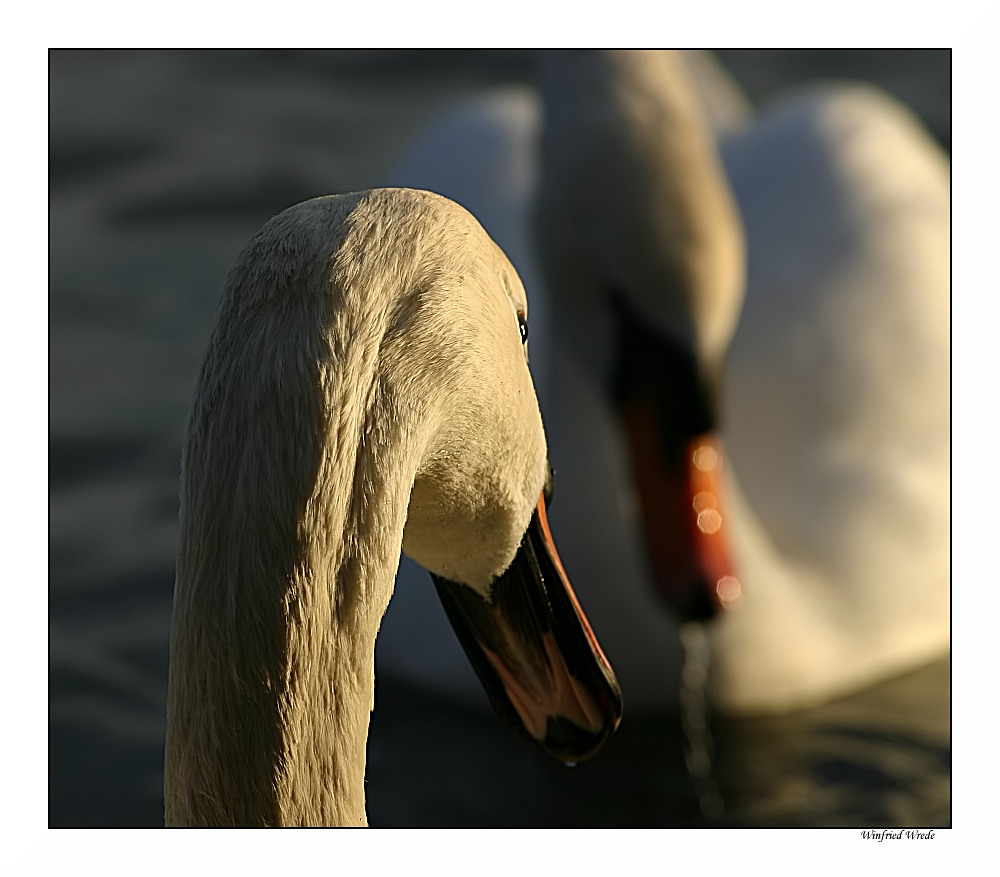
{"points": [[345, 371]]}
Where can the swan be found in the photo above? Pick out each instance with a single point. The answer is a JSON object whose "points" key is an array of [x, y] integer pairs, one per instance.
{"points": [[829, 392], [365, 391], [794, 265]]}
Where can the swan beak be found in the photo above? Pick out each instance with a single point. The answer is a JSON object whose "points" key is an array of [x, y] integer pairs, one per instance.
{"points": [[534, 651], [683, 515]]}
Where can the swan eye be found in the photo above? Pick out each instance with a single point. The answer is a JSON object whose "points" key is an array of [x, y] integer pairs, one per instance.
{"points": [[522, 324]]}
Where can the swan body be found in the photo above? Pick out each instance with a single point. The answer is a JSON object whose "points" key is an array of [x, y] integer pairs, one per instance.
{"points": [[365, 391], [829, 353], [837, 401]]}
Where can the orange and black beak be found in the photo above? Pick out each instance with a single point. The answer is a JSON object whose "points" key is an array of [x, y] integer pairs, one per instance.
{"points": [[684, 516], [534, 651], [666, 404]]}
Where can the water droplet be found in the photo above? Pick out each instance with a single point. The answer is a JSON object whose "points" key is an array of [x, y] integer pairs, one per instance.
{"points": [[698, 755]]}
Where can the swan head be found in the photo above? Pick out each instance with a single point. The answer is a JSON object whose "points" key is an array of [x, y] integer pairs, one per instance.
{"points": [[641, 240], [633, 201], [452, 375], [365, 391], [486, 460]]}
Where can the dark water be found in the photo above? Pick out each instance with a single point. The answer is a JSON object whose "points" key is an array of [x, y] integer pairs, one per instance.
{"points": [[162, 165]]}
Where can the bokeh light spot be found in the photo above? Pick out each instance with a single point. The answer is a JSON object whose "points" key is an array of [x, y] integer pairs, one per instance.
{"points": [[729, 589], [703, 500], [709, 521], [705, 458]]}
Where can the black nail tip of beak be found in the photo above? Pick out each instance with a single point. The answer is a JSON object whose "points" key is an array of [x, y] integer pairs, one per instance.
{"points": [[571, 744], [697, 603]]}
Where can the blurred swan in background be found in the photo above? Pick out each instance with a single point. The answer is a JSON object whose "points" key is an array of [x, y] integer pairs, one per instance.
{"points": [[339, 419], [826, 385]]}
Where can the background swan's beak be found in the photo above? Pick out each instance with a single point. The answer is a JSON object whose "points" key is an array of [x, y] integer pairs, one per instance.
{"points": [[683, 515], [666, 403], [534, 651]]}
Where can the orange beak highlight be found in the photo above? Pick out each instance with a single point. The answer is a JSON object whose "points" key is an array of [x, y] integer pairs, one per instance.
{"points": [[683, 515]]}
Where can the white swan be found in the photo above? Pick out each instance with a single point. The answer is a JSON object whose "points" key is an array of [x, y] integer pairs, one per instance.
{"points": [[833, 403], [857, 563], [366, 372]]}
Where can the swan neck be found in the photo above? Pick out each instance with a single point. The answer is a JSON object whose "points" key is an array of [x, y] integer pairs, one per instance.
{"points": [[296, 476]]}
